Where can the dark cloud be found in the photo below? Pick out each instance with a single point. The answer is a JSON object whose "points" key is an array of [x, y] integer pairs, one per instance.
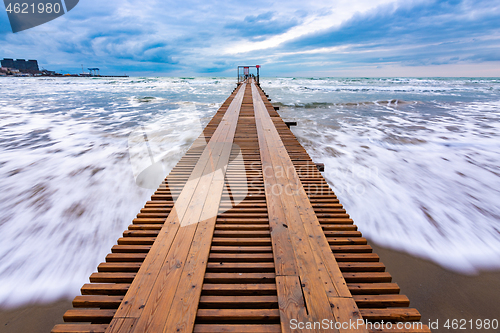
{"points": [[190, 36]]}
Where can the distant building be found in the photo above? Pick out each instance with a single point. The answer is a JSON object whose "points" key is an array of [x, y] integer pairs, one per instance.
{"points": [[7, 63], [30, 66], [20, 64]]}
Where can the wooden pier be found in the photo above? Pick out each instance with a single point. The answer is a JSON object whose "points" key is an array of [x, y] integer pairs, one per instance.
{"points": [[244, 235]]}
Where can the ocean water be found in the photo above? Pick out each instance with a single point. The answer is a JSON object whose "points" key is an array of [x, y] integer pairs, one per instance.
{"points": [[416, 162]]}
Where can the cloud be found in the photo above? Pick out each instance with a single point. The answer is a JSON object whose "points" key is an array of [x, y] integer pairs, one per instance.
{"points": [[318, 18], [413, 35], [259, 26], [200, 37]]}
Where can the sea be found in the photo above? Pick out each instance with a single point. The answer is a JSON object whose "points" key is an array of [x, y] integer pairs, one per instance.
{"points": [[415, 162]]}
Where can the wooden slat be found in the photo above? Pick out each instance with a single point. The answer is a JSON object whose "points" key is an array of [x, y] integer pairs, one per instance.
{"points": [[240, 278], [240, 288], [105, 288], [79, 328], [119, 267], [230, 301], [391, 314], [95, 316], [97, 301], [381, 301], [214, 328], [237, 314], [373, 288], [126, 257], [112, 277]]}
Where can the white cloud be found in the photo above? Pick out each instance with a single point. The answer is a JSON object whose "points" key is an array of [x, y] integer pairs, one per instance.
{"points": [[325, 16]]}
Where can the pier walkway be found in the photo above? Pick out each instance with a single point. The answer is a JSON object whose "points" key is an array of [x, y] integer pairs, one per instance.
{"points": [[244, 235]]}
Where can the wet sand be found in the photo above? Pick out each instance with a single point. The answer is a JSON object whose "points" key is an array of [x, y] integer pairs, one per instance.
{"points": [[34, 318], [440, 294], [437, 293]]}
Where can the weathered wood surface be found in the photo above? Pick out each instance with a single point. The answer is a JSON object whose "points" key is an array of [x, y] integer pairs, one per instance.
{"points": [[244, 235]]}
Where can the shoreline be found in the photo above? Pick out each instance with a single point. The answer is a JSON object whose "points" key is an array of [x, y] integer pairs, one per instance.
{"points": [[438, 294]]}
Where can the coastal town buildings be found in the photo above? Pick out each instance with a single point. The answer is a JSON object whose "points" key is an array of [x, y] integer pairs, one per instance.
{"points": [[19, 67]]}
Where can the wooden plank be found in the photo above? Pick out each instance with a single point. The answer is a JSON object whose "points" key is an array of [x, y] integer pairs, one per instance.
{"points": [[239, 278], [346, 311], [105, 288], [96, 316], [159, 275], [207, 328], [119, 266], [241, 249], [295, 262], [281, 164], [361, 257], [220, 241], [237, 314], [169, 296], [79, 328], [381, 301], [122, 324], [368, 277], [112, 277], [314, 259], [130, 248], [182, 313], [240, 266], [361, 266], [373, 288], [125, 257], [391, 314], [291, 301], [310, 223], [246, 257], [283, 251], [240, 301], [97, 301], [240, 288]]}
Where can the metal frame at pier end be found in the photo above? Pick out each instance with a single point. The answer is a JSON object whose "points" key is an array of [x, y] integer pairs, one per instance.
{"points": [[246, 73]]}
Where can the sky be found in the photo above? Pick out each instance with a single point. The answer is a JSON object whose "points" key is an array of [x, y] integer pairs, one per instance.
{"points": [[339, 38]]}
